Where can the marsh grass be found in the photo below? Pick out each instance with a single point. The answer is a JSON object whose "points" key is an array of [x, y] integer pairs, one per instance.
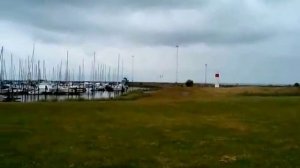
{"points": [[273, 92], [173, 127]]}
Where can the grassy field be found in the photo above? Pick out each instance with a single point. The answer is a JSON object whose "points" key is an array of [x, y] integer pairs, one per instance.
{"points": [[172, 127]]}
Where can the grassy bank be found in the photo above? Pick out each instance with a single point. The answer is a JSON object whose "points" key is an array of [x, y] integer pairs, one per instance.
{"points": [[172, 127]]}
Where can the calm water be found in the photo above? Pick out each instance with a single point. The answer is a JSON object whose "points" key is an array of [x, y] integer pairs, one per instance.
{"points": [[85, 96]]}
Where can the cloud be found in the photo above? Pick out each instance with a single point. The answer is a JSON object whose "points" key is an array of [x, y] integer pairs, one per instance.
{"points": [[260, 28], [147, 22]]}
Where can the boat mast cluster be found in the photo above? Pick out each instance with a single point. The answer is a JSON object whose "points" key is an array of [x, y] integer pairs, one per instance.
{"points": [[33, 77], [31, 69]]}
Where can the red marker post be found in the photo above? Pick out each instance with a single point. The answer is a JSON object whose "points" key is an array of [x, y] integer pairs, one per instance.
{"points": [[217, 77]]}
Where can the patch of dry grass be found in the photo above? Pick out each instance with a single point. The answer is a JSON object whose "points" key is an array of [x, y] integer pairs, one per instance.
{"points": [[172, 127]]}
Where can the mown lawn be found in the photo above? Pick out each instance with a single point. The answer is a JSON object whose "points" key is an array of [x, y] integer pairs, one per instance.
{"points": [[173, 127]]}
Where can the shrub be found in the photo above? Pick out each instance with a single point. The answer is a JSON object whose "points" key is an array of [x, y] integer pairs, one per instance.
{"points": [[189, 83], [125, 81]]}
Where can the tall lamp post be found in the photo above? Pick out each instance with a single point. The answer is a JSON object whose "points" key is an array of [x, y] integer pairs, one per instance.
{"points": [[177, 47], [132, 68], [205, 74]]}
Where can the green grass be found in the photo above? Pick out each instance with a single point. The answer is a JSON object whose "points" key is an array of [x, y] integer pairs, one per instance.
{"points": [[173, 127]]}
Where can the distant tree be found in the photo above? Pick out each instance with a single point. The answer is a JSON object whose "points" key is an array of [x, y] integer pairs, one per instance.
{"points": [[189, 83], [296, 85], [125, 81]]}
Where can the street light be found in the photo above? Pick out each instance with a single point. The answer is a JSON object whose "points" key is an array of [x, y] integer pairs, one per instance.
{"points": [[205, 74], [132, 70], [177, 46]]}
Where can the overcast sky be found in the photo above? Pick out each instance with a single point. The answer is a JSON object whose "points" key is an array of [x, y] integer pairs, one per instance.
{"points": [[247, 41]]}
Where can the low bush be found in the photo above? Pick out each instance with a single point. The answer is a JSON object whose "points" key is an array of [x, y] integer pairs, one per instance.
{"points": [[189, 83]]}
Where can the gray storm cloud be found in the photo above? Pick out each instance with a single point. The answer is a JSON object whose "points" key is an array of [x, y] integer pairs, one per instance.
{"points": [[264, 29], [164, 22]]}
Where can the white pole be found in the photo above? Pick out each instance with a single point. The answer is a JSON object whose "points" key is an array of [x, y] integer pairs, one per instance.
{"points": [[118, 69], [1, 64], [217, 76], [67, 68], [122, 75], [132, 73], [177, 64], [205, 74], [94, 66]]}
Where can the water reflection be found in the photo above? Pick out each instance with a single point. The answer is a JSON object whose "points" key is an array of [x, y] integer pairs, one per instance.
{"points": [[83, 96]]}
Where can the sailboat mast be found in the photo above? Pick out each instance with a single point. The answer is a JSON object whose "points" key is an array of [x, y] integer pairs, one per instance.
{"points": [[11, 66], [94, 66], [118, 69], [122, 71], [39, 71], [83, 70], [32, 62], [44, 71], [79, 73], [1, 64], [67, 68], [28, 73]]}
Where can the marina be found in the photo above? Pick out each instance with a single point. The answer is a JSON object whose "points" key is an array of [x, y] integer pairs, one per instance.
{"points": [[57, 91], [30, 80]]}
